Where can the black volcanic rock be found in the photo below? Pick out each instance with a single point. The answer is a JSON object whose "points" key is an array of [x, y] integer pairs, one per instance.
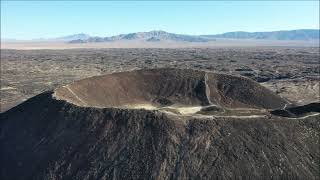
{"points": [[297, 111], [47, 138]]}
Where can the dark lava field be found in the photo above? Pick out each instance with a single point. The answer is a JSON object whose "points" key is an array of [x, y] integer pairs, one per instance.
{"points": [[291, 72]]}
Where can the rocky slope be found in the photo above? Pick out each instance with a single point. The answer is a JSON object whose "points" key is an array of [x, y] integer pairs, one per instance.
{"points": [[47, 138], [297, 111]]}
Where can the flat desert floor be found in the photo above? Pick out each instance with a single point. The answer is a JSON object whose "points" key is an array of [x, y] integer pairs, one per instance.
{"points": [[218, 43]]}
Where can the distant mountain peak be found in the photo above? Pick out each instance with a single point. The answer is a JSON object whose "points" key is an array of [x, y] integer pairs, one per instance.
{"points": [[79, 36], [159, 31]]}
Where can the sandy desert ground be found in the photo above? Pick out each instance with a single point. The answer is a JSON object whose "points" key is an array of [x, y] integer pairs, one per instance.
{"points": [[218, 43], [292, 72]]}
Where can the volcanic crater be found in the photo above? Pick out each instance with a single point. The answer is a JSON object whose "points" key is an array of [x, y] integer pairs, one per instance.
{"points": [[159, 124], [178, 91]]}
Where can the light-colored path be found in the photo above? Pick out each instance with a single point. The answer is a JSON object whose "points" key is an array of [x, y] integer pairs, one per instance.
{"points": [[234, 117], [244, 117], [304, 117], [285, 106], [75, 95], [207, 88], [188, 111]]}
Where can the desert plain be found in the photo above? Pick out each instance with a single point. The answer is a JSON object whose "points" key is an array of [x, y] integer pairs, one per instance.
{"points": [[290, 71]]}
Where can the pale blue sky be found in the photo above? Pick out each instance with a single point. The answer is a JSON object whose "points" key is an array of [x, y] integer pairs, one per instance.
{"points": [[36, 19]]}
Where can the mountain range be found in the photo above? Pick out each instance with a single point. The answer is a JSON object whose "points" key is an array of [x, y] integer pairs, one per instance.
{"points": [[301, 34], [151, 36], [156, 36], [159, 35]]}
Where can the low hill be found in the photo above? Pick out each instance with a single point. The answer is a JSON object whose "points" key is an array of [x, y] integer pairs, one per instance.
{"points": [[301, 34]]}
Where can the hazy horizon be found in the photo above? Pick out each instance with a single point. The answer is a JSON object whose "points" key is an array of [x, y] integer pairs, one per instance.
{"points": [[34, 19], [80, 33]]}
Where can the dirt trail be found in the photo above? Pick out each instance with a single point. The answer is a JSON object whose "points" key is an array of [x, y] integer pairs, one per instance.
{"points": [[304, 117], [207, 88], [75, 95]]}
